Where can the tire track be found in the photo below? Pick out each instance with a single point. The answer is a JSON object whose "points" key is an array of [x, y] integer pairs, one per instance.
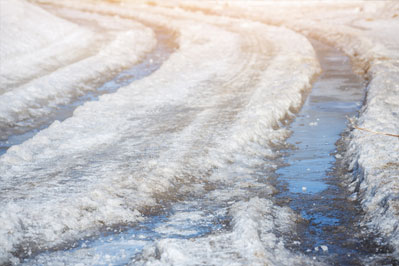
{"points": [[171, 138], [35, 104]]}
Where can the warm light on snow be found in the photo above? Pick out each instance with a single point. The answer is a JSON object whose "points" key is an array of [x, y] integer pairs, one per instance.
{"points": [[205, 124]]}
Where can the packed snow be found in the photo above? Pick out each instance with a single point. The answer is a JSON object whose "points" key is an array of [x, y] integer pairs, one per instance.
{"points": [[34, 42], [252, 241], [117, 157], [365, 31], [203, 126], [37, 60]]}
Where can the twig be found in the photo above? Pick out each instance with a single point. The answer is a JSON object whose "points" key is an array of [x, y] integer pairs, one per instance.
{"points": [[371, 131], [376, 132]]}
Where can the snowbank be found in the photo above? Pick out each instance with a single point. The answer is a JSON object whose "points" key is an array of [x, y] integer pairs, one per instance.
{"points": [[370, 40], [375, 157], [161, 138]]}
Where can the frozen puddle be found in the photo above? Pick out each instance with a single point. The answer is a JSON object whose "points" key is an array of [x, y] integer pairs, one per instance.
{"points": [[310, 180], [151, 62]]}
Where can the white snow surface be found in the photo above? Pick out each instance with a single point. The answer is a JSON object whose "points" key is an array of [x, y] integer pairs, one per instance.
{"points": [[168, 135], [34, 42], [375, 156], [176, 131], [47, 61]]}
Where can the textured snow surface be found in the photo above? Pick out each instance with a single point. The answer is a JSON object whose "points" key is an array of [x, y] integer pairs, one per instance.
{"points": [[370, 41], [377, 156], [168, 135], [34, 42], [366, 31], [201, 126], [252, 240], [54, 65]]}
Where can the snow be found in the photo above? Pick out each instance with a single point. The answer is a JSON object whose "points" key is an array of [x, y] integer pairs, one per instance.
{"points": [[46, 75], [117, 157], [33, 42], [252, 240], [365, 31], [177, 132], [370, 41]]}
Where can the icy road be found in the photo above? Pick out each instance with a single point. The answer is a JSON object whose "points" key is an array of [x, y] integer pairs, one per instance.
{"points": [[199, 133]]}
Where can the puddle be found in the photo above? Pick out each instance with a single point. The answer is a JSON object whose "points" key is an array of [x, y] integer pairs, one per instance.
{"points": [[311, 183], [150, 63], [120, 246]]}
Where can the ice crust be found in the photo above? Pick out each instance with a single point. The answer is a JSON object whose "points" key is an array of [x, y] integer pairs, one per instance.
{"points": [[49, 76], [163, 137]]}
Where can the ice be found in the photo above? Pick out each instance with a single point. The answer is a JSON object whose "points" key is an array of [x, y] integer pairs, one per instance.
{"points": [[324, 248]]}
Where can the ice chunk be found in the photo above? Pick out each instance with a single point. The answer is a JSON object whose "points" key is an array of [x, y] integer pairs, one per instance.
{"points": [[324, 248]]}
